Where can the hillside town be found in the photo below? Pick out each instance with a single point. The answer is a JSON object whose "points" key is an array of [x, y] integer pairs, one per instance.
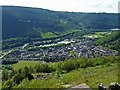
{"points": [[76, 48]]}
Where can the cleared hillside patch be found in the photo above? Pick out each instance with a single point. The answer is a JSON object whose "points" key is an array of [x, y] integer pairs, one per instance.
{"points": [[96, 34], [22, 64], [48, 35]]}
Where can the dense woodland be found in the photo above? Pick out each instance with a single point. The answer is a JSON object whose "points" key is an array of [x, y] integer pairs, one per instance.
{"points": [[40, 24]]}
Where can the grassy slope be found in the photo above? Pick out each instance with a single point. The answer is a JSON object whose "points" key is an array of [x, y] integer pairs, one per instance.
{"points": [[52, 35], [48, 35], [91, 76], [98, 34], [72, 30], [111, 41], [108, 38], [22, 64]]}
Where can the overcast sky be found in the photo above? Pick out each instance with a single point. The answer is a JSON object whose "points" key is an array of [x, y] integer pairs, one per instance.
{"points": [[110, 6]]}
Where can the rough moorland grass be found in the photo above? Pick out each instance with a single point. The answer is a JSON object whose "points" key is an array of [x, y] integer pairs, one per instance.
{"points": [[92, 76], [22, 64]]}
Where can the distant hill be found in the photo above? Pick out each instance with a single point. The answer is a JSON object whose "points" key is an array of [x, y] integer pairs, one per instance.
{"points": [[112, 40], [25, 21]]}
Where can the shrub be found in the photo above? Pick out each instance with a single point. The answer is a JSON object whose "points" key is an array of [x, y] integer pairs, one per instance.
{"points": [[83, 63], [58, 69], [45, 68], [17, 78], [24, 83], [8, 84], [90, 63], [68, 65], [5, 74], [97, 61], [110, 59]]}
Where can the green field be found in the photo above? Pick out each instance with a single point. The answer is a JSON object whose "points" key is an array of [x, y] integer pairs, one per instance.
{"points": [[97, 34], [72, 30], [92, 76], [52, 35], [48, 35], [108, 38], [22, 64]]}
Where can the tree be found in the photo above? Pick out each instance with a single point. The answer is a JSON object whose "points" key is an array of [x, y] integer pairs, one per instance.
{"points": [[58, 70], [5, 75], [24, 83], [25, 72]]}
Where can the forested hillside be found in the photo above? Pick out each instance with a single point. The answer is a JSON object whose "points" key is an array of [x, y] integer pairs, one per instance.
{"points": [[33, 22]]}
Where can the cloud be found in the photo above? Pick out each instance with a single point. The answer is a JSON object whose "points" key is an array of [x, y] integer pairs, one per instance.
{"points": [[68, 5]]}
